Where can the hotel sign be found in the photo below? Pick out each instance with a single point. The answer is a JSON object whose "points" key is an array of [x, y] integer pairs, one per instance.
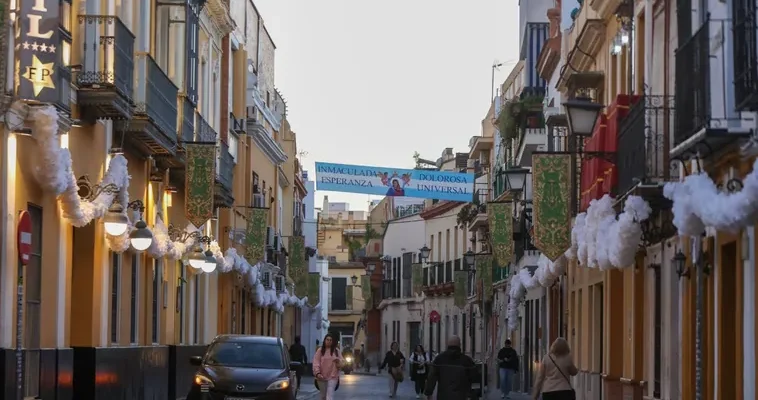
{"points": [[37, 47]]}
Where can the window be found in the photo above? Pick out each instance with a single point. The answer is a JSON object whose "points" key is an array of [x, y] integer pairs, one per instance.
{"points": [[455, 325], [196, 308], [33, 282], [407, 270], [157, 278], [246, 355], [133, 301], [192, 34], [243, 301], [181, 273], [339, 293], [115, 284]]}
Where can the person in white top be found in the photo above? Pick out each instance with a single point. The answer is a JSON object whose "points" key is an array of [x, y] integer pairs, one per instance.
{"points": [[419, 368], [553, 379]]}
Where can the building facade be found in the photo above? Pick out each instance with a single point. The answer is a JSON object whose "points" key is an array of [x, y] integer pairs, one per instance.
{"points": [[139, 219]]}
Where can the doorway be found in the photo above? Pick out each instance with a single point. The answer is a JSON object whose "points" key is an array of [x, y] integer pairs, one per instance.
{"points": [[414, 335]]}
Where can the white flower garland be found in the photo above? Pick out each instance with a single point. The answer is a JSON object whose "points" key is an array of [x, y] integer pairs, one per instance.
{"points": [[699, 204], [600, 240], [163, 246], [263, 297]]}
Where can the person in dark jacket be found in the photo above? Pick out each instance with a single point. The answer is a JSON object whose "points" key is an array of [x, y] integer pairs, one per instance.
{"points": [[508, 366], [394, 360], [297, 353], [454, 371]]}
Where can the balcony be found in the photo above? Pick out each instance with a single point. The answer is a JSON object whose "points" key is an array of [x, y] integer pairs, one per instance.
{"points": [[745, 53], [153, 128], [224, 177], [204, 132], [477, 144], [531, 140], [605, 8], [584, 40], [187, 128], [236, 125], [438, 279], [63, 84], [481, 197], [106, 80], [641, 158]]}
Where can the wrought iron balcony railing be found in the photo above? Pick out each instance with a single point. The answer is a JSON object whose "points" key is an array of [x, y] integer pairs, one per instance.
{"points": [[745, 53], [155, 95], [225, 171], [693, 88], [204, 132], [108, 49], [188, 120], [641, 152]]}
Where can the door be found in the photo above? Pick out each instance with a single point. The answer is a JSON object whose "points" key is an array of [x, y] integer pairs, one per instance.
{"points": [[414, 335]]}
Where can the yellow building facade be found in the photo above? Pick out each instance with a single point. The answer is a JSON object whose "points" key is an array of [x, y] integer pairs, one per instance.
{"points": [[98, 149]]}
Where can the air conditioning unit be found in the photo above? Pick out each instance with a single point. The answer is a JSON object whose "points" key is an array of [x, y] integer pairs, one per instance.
{"points": [[270, 235], [258, 200]]}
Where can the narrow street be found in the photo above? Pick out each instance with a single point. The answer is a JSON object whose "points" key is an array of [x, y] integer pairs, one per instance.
{"points": [[374, 387]]}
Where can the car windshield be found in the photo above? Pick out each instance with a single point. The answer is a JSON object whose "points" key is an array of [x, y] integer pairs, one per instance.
{"points": [[245, 355]]}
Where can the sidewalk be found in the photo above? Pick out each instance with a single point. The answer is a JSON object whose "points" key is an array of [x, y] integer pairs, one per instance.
{"points": [[495, 395]]}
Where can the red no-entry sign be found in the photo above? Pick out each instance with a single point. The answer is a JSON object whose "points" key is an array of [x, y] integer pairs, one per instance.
{"points": [[24, 237]]}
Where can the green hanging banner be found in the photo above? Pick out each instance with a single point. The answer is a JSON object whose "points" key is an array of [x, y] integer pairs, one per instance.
{"points": [[255, 235], [200, 180], [417, 278], [314, 286], [484, 270], [366, 291], [500, 216], [551, 207], [461, 284], [298, 268]]}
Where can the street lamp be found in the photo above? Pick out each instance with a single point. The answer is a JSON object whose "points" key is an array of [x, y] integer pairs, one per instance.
{"points": [[424, 253], [141, 237], [196, 259], [209, 264], [469, 258], [679, 261], [582, 113], [516, 178], [354, 279], [115, 221]]}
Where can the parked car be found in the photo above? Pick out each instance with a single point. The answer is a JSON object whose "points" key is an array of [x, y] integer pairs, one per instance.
{"points": [[241, 367]]}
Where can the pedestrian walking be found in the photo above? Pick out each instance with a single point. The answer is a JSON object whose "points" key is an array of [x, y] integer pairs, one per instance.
{"points": [[553, 381], [453, 372], [297, 353], [326, 367], [508, 368], [394, 360], [419, 369]]}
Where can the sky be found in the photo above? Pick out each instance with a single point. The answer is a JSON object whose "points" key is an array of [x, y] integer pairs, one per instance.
{"points": [[370, 82]]}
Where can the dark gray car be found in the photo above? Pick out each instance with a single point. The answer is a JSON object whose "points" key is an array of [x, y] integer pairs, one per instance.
{"points": [[243, 367]]}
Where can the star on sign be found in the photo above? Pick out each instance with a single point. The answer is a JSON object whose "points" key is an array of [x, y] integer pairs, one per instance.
{"points": [[51, 49], [43, 48], [40, 75], [35, 46], [26, 45]]}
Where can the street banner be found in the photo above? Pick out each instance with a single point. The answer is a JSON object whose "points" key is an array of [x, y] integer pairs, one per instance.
{"points": [[500, 216], [461, 284], [366, 291], [255, 235], [314, 288], [417, 277], [38, 50], [484, 270], [199, 183], [395, 182], [298, 268], [551, 204]]}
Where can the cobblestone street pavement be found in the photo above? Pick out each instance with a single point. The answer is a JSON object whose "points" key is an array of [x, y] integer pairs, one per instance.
{"points": [[366, 387]]}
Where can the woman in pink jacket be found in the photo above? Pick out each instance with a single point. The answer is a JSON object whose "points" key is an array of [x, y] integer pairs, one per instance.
{"points": [[326, 367]]}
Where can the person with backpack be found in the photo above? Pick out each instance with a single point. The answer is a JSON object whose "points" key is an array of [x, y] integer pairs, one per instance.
{"points": [[557, 366], [419, 369]]}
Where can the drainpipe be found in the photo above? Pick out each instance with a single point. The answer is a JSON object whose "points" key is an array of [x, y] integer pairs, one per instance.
{"points": [[697, 258]]}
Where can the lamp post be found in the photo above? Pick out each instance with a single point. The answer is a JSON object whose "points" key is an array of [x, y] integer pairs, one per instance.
{"points": [[197, 259], [469, 258], [495, 66], [582, 113]]}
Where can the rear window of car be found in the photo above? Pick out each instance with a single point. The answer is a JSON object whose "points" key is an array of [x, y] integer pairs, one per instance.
{"points": [[245, 355]]}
